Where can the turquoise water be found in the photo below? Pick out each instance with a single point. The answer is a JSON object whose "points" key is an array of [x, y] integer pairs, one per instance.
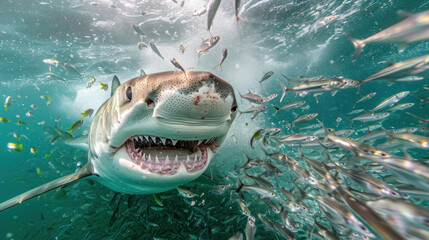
{"points": [[96, 38]]}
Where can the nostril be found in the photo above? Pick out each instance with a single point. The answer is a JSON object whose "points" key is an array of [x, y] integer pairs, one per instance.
{"points": [[234, 109]]}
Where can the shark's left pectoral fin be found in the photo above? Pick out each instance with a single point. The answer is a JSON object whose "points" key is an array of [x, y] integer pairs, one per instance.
{"points": [[81, 173]]}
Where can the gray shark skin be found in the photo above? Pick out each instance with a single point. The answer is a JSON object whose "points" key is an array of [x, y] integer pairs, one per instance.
{"points": [[155, 132]]}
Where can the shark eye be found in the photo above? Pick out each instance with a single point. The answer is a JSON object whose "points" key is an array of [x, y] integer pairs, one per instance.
{"points": [[129, 94], [233, 109], [149, 102]]}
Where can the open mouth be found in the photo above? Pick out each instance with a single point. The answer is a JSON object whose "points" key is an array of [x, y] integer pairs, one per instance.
{"points": [[159, 155]]}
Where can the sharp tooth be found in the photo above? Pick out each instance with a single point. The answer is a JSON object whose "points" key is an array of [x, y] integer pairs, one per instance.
{"points": [[200, 141], [146, 137], [144, 157], [195, 158], [153, 139], [149, 159], [163, 139], [188, 159], [174, 141], [167, 160], [176, 160], [156, 159], [141, 138]]}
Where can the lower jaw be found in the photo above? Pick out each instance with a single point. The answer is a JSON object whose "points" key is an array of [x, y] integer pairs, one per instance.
{"points": [[170, 162]]}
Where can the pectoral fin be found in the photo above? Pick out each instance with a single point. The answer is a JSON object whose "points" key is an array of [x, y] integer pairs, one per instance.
{"points": [[81, 173]]}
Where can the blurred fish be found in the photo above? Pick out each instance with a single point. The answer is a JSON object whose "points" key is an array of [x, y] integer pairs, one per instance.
{"points": [[29, 113], [250, 228], [258, 134], [413, 28], [212, 7], [4, 120], [255, 110], [70, 69], [33, 150], [365, 98], [304, 118], [201, 11], [47, 98], [207, 44], [104, 86], [288, 106], [224, 55], [39, 172], [75, 126], [401, 107], [52, 61], [319, 86], [391, 100], [410, 67], [141, 45], [15, 147], [182, 49], [237, 4], [7, 102], [157, 200], [90, 82], [33, 106], [155, 49], [88, 113], [322, 22], [261, 191], [53, 76], [138, 30], [266, 76], [177, 65], [185, 193]]}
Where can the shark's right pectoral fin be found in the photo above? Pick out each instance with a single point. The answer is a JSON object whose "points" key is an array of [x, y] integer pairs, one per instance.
{"points": [[81, 173]]}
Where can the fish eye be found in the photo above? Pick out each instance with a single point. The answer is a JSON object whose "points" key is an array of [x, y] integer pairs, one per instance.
{"points": [[363, 228], [234, 109], [129, 94], [394, 193], [149, 102]]}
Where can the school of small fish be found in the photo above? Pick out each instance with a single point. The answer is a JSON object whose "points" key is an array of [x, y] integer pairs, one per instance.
{"points": [[352, 178]]}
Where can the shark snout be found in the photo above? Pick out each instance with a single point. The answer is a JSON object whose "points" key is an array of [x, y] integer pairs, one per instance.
{"points": [[203, 97]]}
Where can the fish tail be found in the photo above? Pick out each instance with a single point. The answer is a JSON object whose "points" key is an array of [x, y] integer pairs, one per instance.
{"points": [[350, 120], [239, 19], [70, 131], [358, 44], [276, 108], [284, 88], [240, 186]]}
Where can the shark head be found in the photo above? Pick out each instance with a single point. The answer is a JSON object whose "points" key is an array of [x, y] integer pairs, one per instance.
{"points": [[160, 131]]}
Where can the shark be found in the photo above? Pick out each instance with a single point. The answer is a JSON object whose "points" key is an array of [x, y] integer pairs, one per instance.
{"points": [[155, 133]]}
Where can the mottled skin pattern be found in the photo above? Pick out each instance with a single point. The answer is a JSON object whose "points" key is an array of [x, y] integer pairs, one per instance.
{"points": [[192, 107]]}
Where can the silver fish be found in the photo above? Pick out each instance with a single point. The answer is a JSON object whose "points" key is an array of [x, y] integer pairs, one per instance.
{"points": [[138, 30], [155, 49], [322, 22], [224, 55], [266, 76], [391, 100], [410, 67], [207, 44], [212, 7], [413, 28], [365, 98], [288, 106], [201, 11], [177, 65]]}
